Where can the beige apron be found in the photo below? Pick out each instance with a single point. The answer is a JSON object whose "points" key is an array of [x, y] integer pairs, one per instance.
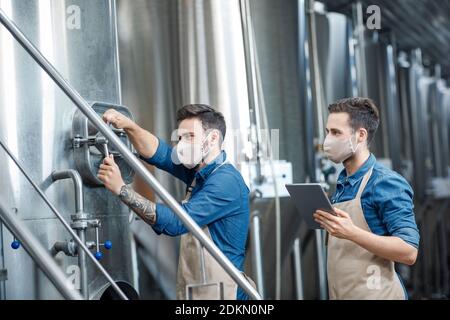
{"points": [[214, 283], [354, 272]]}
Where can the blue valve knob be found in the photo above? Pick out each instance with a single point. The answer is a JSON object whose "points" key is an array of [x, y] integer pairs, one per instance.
{"points": [[98, 255], [15, 244], [108, 244]]}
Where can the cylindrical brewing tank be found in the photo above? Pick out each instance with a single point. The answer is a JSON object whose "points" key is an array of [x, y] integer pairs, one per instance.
{"points": [[79, 38], [174, 53]]}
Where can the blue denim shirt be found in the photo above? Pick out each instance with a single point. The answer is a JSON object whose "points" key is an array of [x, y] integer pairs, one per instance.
{"points": [[387, 200], [219, 200]]}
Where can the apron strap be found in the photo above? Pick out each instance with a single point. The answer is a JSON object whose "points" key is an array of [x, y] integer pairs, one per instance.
{"points": [[189, 189], [364, 183]]}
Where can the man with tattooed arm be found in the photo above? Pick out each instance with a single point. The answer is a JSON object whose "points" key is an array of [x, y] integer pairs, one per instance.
{"points": [[216, 195]]}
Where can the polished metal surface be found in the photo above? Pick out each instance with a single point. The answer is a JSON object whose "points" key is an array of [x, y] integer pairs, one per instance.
{"points": [[79, 209], [36, 123], [3, 271], [380, 80], [90, 147], [178, 52], [297, 257], [175, 53], [417, 24], [39, 254], [281, 32], [80, 242], [130, 159], [77, 185], [169, 58], [412, 108], [256, 250], [330, 60]]}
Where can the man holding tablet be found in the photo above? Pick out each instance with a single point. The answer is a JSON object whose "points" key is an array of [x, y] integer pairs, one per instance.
{"points": [[375, 224]]}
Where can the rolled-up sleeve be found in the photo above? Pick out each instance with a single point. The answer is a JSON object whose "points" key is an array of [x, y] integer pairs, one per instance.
{"points": [[162, 159], [212, 203], [393, 198]]}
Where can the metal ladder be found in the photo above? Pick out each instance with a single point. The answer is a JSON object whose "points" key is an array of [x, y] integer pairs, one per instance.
{"points": [[132, 161]]}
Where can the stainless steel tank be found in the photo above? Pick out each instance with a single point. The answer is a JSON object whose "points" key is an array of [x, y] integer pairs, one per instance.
{"points": [[281, 31], [175, 53], [380, 72], [36, 119]]}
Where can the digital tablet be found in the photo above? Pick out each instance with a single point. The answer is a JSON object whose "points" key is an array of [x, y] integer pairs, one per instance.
{"points": [[307, 198]]}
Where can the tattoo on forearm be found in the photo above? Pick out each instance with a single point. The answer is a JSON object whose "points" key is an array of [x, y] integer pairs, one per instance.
{"points": [[143, 207]]}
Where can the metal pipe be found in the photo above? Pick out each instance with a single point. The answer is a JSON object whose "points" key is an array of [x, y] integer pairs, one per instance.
{"points": [[305, 83], [420, 276], [415, 72], [392, 108], [260, 112], [256, 251], [68, 247], [427, 250], [252, 87], [97, 240], [83, 265], [202, 265], [78, 186], [438, 246], [132, 161], [316, 81], [358, 20], [60, 217], [444, 249], [38, 254], [275, 186], [317, 103], [2, 265], [321, 265], [114, 18], [297, 255], [79, 208], [436, 251]]}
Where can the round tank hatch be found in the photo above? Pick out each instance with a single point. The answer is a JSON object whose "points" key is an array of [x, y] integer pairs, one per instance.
{"points": [[90, 146], [110, 294]]}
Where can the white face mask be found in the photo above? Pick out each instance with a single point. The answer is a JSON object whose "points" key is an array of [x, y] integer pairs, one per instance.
{"points": [[191, 154], [337, 149]]}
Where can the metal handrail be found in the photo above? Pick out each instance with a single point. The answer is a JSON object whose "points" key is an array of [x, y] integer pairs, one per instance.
{"points": [[129, 157], [38, 253], [65, 224]]}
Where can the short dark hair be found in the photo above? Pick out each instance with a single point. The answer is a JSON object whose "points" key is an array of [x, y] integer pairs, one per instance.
{"points": [[210, 118], [363, 113]]}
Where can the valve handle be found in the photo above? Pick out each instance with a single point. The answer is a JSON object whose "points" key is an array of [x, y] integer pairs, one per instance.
{"points": [[15, 244], [108, 244], [98, 255]]}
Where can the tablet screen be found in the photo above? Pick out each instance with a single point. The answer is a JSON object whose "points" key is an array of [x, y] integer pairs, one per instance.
{"points": [[307, 198]]}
